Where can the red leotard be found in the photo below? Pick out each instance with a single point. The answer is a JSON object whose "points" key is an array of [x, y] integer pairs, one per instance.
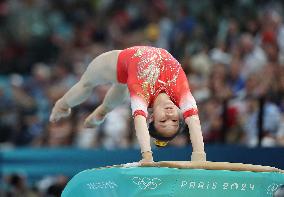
{"points": [[149, 71]]}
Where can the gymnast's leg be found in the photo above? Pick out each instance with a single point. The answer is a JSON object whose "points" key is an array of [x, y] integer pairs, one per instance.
{"points": [[115, 96], [101, 70]]}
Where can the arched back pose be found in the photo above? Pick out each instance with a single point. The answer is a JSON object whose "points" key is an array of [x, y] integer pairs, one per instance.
{"points": [[154, 79]]}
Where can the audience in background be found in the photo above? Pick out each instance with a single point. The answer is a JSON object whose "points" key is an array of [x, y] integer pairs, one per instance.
{"points": [[233, 54], [16, 186]]}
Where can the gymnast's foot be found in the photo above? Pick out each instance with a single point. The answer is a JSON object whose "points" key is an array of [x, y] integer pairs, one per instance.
{"points": [[59, 111], [96, 118]]}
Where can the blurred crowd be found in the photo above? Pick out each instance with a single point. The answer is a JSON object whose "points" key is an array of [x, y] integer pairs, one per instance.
{"points": [[16, 185], [231, 51]]}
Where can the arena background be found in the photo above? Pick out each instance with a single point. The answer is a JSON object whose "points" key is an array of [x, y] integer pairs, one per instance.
{"points": [[232, 52]]}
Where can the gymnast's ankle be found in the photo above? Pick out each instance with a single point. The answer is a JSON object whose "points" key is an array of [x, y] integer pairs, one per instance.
{"points": [[102, 111]]}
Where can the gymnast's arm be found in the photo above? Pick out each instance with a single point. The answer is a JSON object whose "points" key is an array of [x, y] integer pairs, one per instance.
{"points": [[196, 138], [143, 137], [190, 112]]}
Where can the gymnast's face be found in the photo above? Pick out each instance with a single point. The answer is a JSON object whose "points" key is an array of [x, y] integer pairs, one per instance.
{"points": [[166, 118]]}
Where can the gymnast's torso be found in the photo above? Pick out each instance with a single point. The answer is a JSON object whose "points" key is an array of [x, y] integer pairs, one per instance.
{"points": [[148, 71]]}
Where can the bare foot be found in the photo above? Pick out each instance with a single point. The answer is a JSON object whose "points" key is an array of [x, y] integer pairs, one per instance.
{"points": [[96, 118], [59, 111]]}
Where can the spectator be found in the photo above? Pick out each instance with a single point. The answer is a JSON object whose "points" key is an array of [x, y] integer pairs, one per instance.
{"points": [[17, 187], [225, 53], [271, 123], [280, 133], [233, 54], [253, 56], [118, 137]]}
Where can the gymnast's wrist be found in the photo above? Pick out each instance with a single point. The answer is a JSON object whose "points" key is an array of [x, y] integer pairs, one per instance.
{"points": [[147, 155], [198, 156]]}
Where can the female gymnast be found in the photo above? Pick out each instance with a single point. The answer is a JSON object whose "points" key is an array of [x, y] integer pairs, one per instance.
{"points": [[154, 79]]}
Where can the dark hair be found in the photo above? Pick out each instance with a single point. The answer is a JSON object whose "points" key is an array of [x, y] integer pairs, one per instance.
{"points": [[158, 136]]}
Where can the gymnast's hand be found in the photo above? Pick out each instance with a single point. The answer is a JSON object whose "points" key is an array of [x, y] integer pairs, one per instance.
{"points": [[59, 111]]}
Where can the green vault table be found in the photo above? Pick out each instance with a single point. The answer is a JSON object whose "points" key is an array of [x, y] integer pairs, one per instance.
{"points": [[177, 179]]}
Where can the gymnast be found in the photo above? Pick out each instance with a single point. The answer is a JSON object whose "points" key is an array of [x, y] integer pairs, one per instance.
{"points": [[154, 79]]}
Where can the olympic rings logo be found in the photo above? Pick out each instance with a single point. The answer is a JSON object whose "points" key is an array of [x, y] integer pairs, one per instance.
{"points": [[147, 183], [272, 188]]}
